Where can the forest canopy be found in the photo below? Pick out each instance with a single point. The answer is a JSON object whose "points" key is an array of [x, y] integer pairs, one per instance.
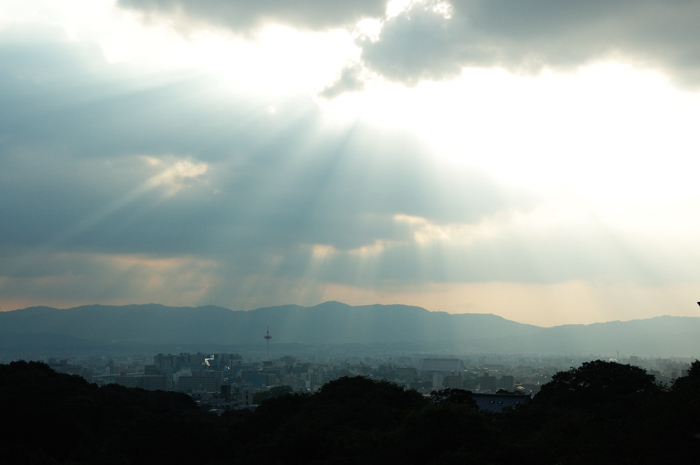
{"points": [[601, 412]]}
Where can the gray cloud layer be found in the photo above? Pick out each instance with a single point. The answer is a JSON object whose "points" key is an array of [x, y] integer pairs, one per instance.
{"points": [[73, 175], [242, 15], [85, 154], [520, 35], [526, 35]]}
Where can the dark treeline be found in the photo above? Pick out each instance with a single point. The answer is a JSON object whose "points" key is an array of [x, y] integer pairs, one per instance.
{"points": [[601, 412]]}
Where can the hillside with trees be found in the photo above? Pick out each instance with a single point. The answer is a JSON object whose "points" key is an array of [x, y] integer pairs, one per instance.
{"points": [[601, 412]]}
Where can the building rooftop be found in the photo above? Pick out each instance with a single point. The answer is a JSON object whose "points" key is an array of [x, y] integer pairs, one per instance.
{"points": [[441, 364]]}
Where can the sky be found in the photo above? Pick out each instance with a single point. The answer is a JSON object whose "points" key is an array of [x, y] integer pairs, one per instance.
{"points": [[533, 159]]}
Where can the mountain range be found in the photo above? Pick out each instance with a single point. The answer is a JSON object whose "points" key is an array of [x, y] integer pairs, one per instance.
{"points": [[335, 323]]}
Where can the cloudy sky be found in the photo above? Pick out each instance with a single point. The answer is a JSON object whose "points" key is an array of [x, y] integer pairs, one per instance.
{"points": [[534, 159]]}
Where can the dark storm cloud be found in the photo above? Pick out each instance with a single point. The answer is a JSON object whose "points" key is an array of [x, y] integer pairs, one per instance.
{"points": [[527, 35], [242, 15]]}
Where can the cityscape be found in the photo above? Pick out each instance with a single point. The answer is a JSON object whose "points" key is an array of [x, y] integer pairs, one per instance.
{"points": [[225, 381]]}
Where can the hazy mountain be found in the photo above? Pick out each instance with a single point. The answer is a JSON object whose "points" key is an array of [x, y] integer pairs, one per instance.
{"points": [[327, 323], [337, 323], [659, 336]]}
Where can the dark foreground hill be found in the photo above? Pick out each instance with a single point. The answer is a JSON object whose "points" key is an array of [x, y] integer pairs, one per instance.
{"points": [[53, 418], [600, 413], [334, 323]]}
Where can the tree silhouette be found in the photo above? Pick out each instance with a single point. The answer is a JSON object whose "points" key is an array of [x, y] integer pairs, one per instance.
{"points": [[595, 383], [453, 396]]}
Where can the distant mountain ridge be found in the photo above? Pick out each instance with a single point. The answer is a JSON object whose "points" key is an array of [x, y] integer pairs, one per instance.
{"points": [[327, 323], [338, 323]]}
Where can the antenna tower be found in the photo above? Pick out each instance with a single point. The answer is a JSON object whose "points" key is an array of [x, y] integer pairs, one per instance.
{"points": [[267, 338]]}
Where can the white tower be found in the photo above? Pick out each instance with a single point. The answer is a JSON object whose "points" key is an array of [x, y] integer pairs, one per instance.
{"points": [[267, 338]]}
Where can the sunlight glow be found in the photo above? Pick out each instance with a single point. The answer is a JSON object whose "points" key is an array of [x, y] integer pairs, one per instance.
{"points": [[592, 167], [572, 302], [145, 277], [173, 176], [596, 138]]}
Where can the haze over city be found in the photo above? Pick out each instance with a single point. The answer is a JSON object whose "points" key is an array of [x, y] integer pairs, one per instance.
{"points": [[533, 160]]}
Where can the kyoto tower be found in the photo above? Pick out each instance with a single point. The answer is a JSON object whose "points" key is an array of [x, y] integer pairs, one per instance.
{"points": [[267, 338]]}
